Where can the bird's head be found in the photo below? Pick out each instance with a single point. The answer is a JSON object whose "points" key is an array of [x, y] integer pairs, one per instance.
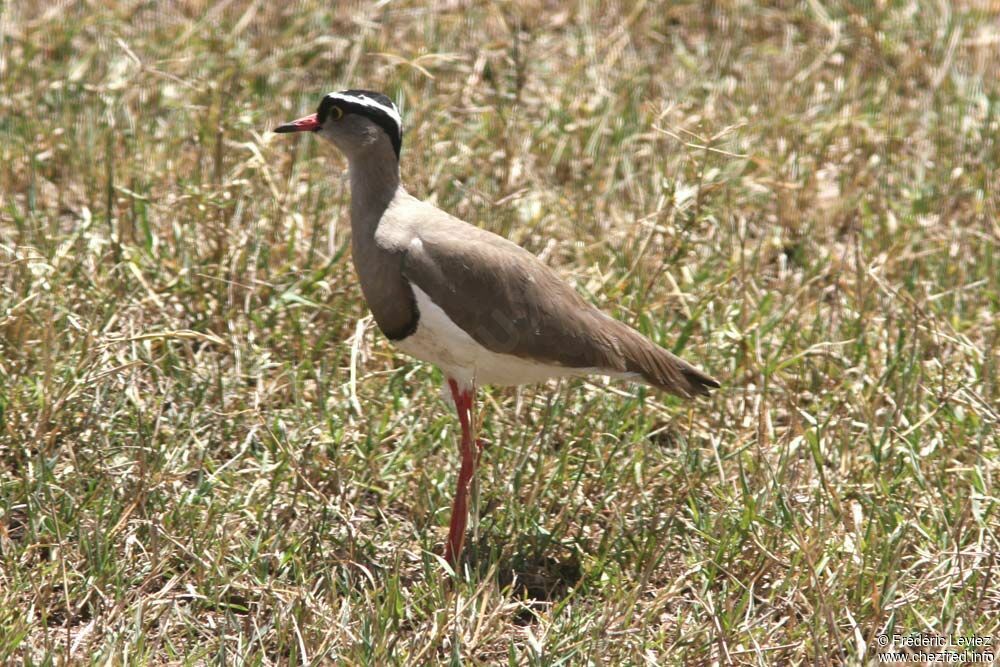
{"points": [[355, 121]]}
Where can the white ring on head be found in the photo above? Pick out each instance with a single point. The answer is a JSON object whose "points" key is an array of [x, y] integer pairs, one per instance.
{"points": [[390, 111]]}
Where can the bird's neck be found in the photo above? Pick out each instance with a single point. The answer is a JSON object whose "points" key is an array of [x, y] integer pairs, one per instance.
{"points": [[374, 182], [374, 186]]}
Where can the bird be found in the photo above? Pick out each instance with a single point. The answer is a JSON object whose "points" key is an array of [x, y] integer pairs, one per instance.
{"points": [[481, 308]]}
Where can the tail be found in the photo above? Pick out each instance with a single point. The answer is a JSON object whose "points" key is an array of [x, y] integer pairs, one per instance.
{"points": [[662, 369]]}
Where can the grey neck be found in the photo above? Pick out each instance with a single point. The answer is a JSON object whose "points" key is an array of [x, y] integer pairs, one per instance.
{"points": [[374, 184], [374, 181]]}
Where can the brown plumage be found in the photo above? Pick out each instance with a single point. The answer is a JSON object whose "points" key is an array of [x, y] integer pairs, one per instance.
{"points": [[482, 309], [512, 303]]}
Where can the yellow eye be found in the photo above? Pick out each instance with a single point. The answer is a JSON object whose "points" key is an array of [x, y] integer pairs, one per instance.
{"points": [[336, 113]]}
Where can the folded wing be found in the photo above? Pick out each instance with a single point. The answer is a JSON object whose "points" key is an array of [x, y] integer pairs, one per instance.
{"points": [[511, 303]]}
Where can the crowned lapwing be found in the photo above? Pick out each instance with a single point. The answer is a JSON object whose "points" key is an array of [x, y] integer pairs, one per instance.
{"points": [[482, 309]]}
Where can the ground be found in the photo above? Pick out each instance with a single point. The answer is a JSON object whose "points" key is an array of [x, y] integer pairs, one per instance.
{"points": [[209, 455]]}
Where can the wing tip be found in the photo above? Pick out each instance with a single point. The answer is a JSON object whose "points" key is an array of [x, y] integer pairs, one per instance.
{"points": [[699, 383]]}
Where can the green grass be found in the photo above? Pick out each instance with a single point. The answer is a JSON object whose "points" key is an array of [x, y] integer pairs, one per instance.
{"points": [[800, 197]]}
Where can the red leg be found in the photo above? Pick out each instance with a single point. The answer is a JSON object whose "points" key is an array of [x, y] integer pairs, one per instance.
{"points": [[460, 509]]}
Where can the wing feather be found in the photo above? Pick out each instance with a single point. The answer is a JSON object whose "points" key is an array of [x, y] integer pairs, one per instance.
{"points": [[512, 303]]}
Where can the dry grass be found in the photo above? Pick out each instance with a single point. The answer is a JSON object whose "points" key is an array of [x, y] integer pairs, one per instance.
{"points": [[801, 196]]}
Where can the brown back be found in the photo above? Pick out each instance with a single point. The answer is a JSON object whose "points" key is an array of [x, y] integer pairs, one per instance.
{"points": [[511, 303]]}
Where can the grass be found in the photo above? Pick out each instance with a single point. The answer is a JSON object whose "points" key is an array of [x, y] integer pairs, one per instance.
{"points": [[208, 455]]}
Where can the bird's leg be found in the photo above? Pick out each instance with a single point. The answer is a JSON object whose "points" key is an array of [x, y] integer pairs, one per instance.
{"points": [[460, 510], [477, 454]]}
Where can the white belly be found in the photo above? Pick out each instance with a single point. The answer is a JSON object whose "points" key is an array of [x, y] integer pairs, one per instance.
{"points": [[440, 341]]}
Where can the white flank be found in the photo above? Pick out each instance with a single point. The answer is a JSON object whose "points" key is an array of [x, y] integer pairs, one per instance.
{"points": [[440, 341]]}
